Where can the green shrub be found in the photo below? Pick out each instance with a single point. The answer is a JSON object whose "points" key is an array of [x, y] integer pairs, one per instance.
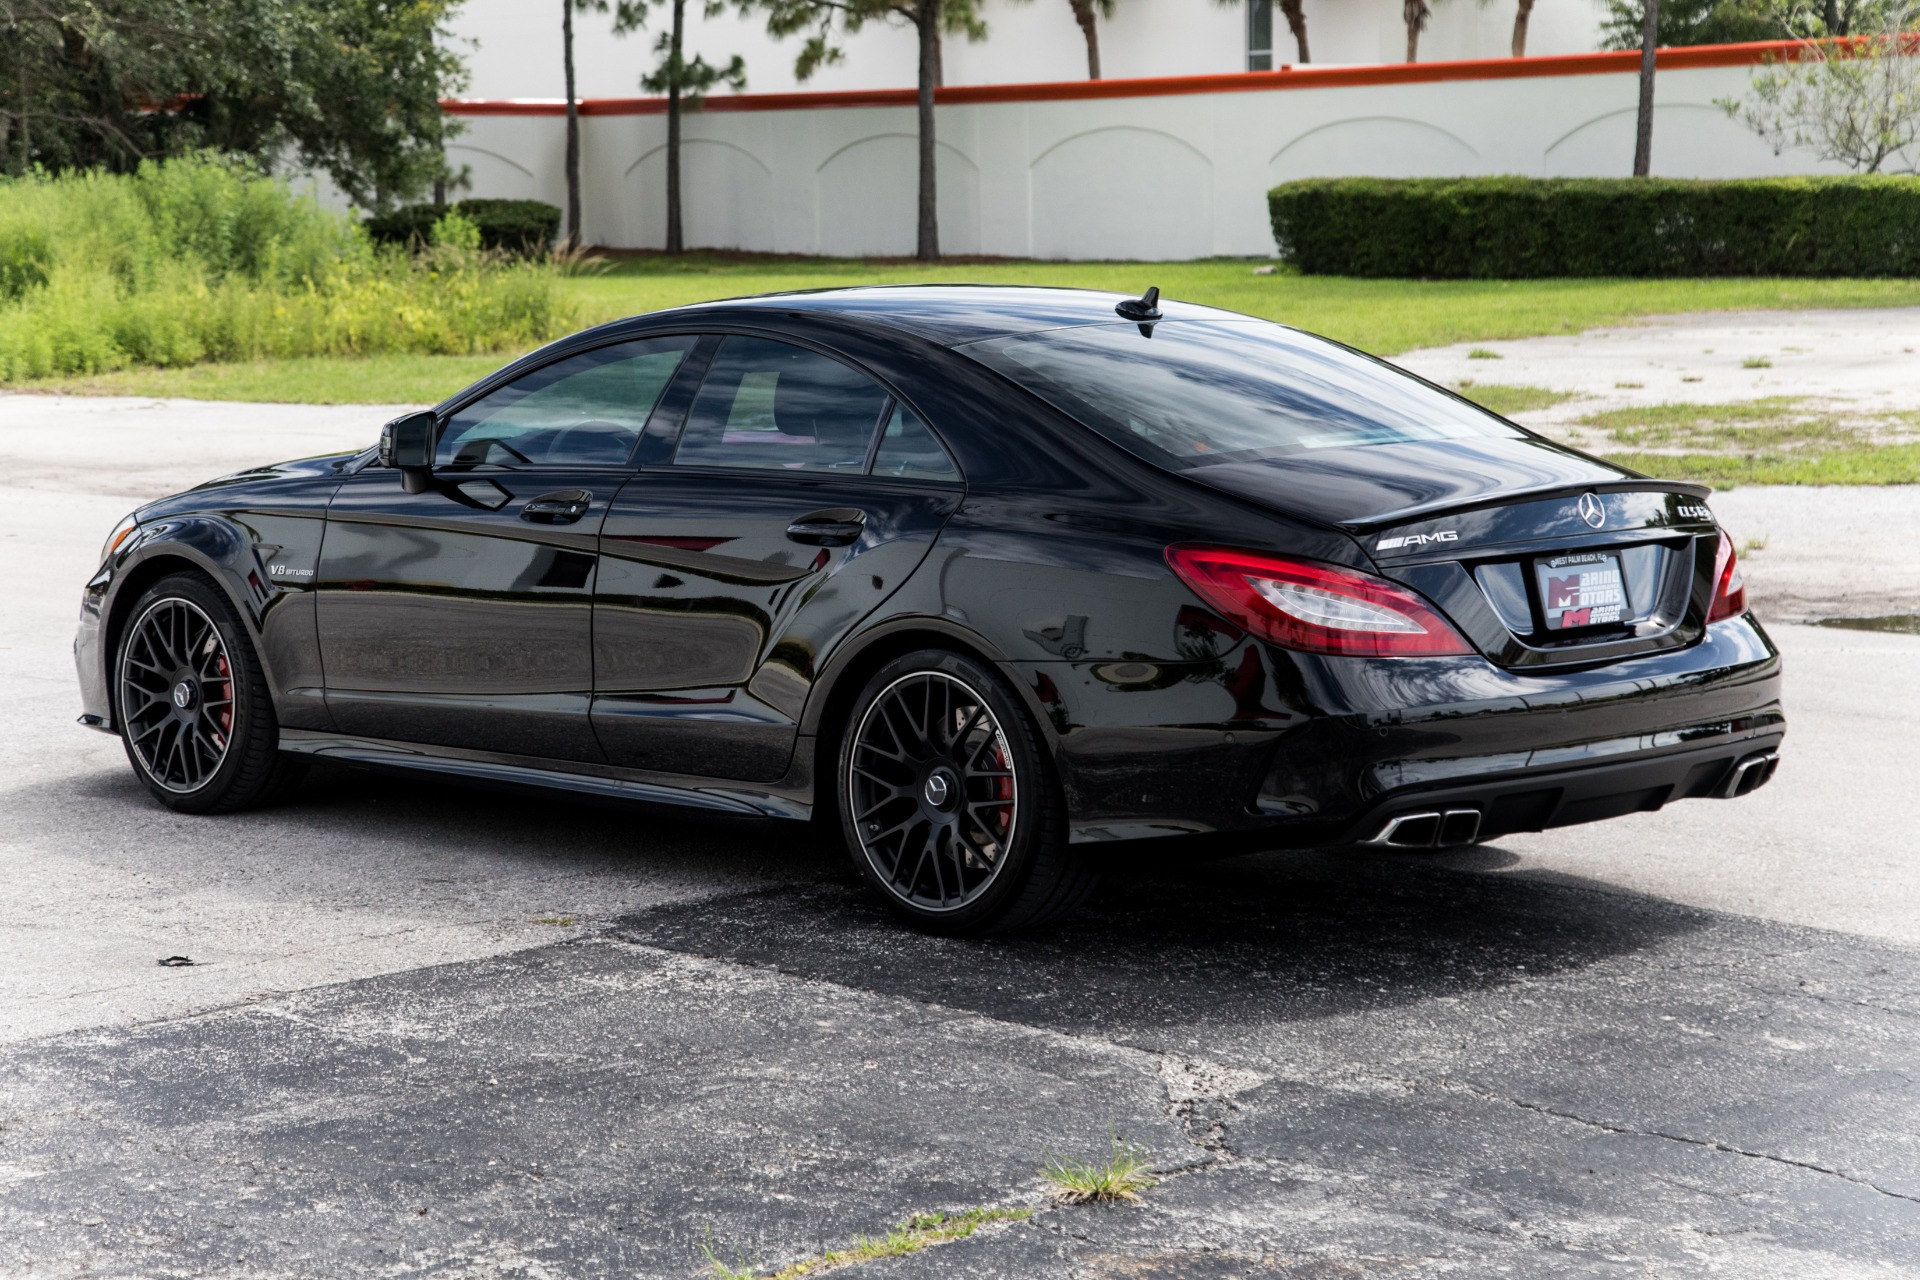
{"points": [[1521, 228], [201, 259], [524, 227]]}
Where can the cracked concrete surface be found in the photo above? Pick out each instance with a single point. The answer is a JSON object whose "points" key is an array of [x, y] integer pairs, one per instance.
{"points": [[1348, 1066]]}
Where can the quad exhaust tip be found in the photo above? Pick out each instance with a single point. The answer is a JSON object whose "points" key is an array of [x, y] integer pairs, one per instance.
{"points": [[1749, 774], [1429, 829]]}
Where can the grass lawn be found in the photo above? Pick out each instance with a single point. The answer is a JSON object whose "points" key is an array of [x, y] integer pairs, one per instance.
{"points": [[398, 379], [1384, 316], [1779, 440]]}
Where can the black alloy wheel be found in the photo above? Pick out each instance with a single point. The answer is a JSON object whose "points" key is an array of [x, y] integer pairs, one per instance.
{"points": [[176, 694], [193, 707], [947, 802]]}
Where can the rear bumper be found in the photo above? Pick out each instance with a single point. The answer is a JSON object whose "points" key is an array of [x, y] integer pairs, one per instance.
{"points": [[1279, 750], [1565, 797]]}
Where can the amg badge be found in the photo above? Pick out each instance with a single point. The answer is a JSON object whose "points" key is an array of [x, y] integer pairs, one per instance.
{"points": [[1417, 540]]}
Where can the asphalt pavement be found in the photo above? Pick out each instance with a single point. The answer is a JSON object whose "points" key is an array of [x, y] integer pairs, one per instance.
{"points": [[430, 1031]]}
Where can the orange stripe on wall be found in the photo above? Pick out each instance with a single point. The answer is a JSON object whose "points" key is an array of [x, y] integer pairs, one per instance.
{"points": [[1574, 64]]}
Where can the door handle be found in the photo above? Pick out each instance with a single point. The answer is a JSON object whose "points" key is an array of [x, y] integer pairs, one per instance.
{"points": [[835, 528], [563, 506]]}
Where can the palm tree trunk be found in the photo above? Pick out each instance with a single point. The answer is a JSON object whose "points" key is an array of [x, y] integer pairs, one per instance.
{"points": [[1643, 130], [1083, 14], [26, 134], [1521, 16], [1297, 23], [676, 242], [573, 128], [1415, 12], [928, 20]]}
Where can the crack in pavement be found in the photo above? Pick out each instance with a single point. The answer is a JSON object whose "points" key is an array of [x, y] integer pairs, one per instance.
{"points": [[1712, 1144]]}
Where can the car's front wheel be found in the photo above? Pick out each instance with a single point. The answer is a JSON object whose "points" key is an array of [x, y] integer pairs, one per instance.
{"points": [[193, 705], [949, 803]]}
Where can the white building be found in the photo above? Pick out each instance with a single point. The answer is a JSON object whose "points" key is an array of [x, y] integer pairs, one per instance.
{"points": [[1169, 156], [513, 46]]}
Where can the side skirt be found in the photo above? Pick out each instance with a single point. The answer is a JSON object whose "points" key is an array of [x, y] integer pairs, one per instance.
{"points": [[791, 797]]}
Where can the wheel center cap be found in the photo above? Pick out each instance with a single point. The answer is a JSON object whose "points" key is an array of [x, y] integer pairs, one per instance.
{"points": [[183, 695], [939, 790]]}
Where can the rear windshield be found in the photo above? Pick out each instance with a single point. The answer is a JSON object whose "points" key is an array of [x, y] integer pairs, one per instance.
{"points": [[1193, 392]]}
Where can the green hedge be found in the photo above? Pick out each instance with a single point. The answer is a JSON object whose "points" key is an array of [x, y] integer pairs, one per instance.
{"points": [[1520, 228], [526, 227]]}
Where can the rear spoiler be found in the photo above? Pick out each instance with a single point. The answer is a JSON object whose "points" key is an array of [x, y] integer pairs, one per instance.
{"points": [[1423, 510]]}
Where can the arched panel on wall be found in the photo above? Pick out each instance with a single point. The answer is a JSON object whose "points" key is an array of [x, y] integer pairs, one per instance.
{"points": [[868, 198], [1690, 140], [1387, 146], [1122, 192], [726, 198], [492, 174]]}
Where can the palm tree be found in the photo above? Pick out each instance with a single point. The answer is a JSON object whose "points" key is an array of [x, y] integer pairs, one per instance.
{"points": [[1416, 13], [1521, 16], [1296, 13], [1084, 13]]}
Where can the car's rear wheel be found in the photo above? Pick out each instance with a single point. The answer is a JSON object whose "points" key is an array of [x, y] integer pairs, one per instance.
{"points": [[949, 803], [193, 706]]}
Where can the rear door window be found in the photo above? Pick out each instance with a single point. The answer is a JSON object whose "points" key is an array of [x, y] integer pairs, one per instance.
{"points": [[773, 406]]}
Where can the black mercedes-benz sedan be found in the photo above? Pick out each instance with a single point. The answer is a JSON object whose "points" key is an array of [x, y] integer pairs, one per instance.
{"points": [[989, 581]]}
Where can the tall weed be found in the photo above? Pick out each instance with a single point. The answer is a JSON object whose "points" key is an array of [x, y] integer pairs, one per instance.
{"points": [[206, 259]]}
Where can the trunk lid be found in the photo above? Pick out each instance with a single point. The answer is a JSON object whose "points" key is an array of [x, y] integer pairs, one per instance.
{"points": [[1542, 556]]}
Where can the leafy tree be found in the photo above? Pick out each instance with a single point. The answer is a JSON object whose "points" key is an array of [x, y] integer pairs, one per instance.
{"points": [[350, 87], [1854, 101], [1685, 22], [685, 83], [824, 20]]}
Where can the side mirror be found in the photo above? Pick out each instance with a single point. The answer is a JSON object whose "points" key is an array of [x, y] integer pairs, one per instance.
{"points": [[407, 443]]}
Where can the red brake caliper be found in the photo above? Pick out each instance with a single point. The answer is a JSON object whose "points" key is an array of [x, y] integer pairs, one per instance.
{"points": [[226, 692]]}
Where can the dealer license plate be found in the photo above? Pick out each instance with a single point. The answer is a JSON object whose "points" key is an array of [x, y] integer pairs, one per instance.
{"points": [[1581, 591]]}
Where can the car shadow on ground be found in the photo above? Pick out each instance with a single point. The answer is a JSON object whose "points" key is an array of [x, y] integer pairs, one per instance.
{"points": [[1164, 944], [1255, 940]]}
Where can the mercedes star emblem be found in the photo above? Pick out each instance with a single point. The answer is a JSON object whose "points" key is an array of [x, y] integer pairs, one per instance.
{"points": [[1592, 511]]}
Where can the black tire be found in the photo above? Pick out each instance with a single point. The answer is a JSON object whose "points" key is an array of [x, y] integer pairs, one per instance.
{"points": [[958, 823], [192, 704]]}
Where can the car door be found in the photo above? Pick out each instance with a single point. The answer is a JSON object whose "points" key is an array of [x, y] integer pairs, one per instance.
{"points": [[800, 494], [462, 615]]}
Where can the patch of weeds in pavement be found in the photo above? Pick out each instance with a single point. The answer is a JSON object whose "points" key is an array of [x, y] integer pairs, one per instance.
{"points": [[565, 922], [1777, 440], [1481, 353], [1507, 400], [1756, 362], [1121, 1176], [747, 1270], [916, 1233]]}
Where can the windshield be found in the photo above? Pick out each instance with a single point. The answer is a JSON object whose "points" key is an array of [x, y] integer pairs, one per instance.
{"points": [[1205, 391]]}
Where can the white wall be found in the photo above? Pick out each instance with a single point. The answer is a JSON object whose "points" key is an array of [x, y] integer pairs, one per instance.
{"points": [[513, 46], [1144, 177]]}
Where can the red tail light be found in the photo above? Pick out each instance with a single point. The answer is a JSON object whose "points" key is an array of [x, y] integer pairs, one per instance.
{"points": [[1729, 588], [1319, 608]]}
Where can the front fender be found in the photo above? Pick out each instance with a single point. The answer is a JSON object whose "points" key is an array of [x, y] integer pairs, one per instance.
{"points": [[255, 558]]}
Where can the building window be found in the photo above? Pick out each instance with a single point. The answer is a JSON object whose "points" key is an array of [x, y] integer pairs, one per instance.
{"points": [[1259, 35]]}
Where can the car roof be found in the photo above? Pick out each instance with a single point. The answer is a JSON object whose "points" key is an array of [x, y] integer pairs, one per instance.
{"points": [[950, 314]]}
